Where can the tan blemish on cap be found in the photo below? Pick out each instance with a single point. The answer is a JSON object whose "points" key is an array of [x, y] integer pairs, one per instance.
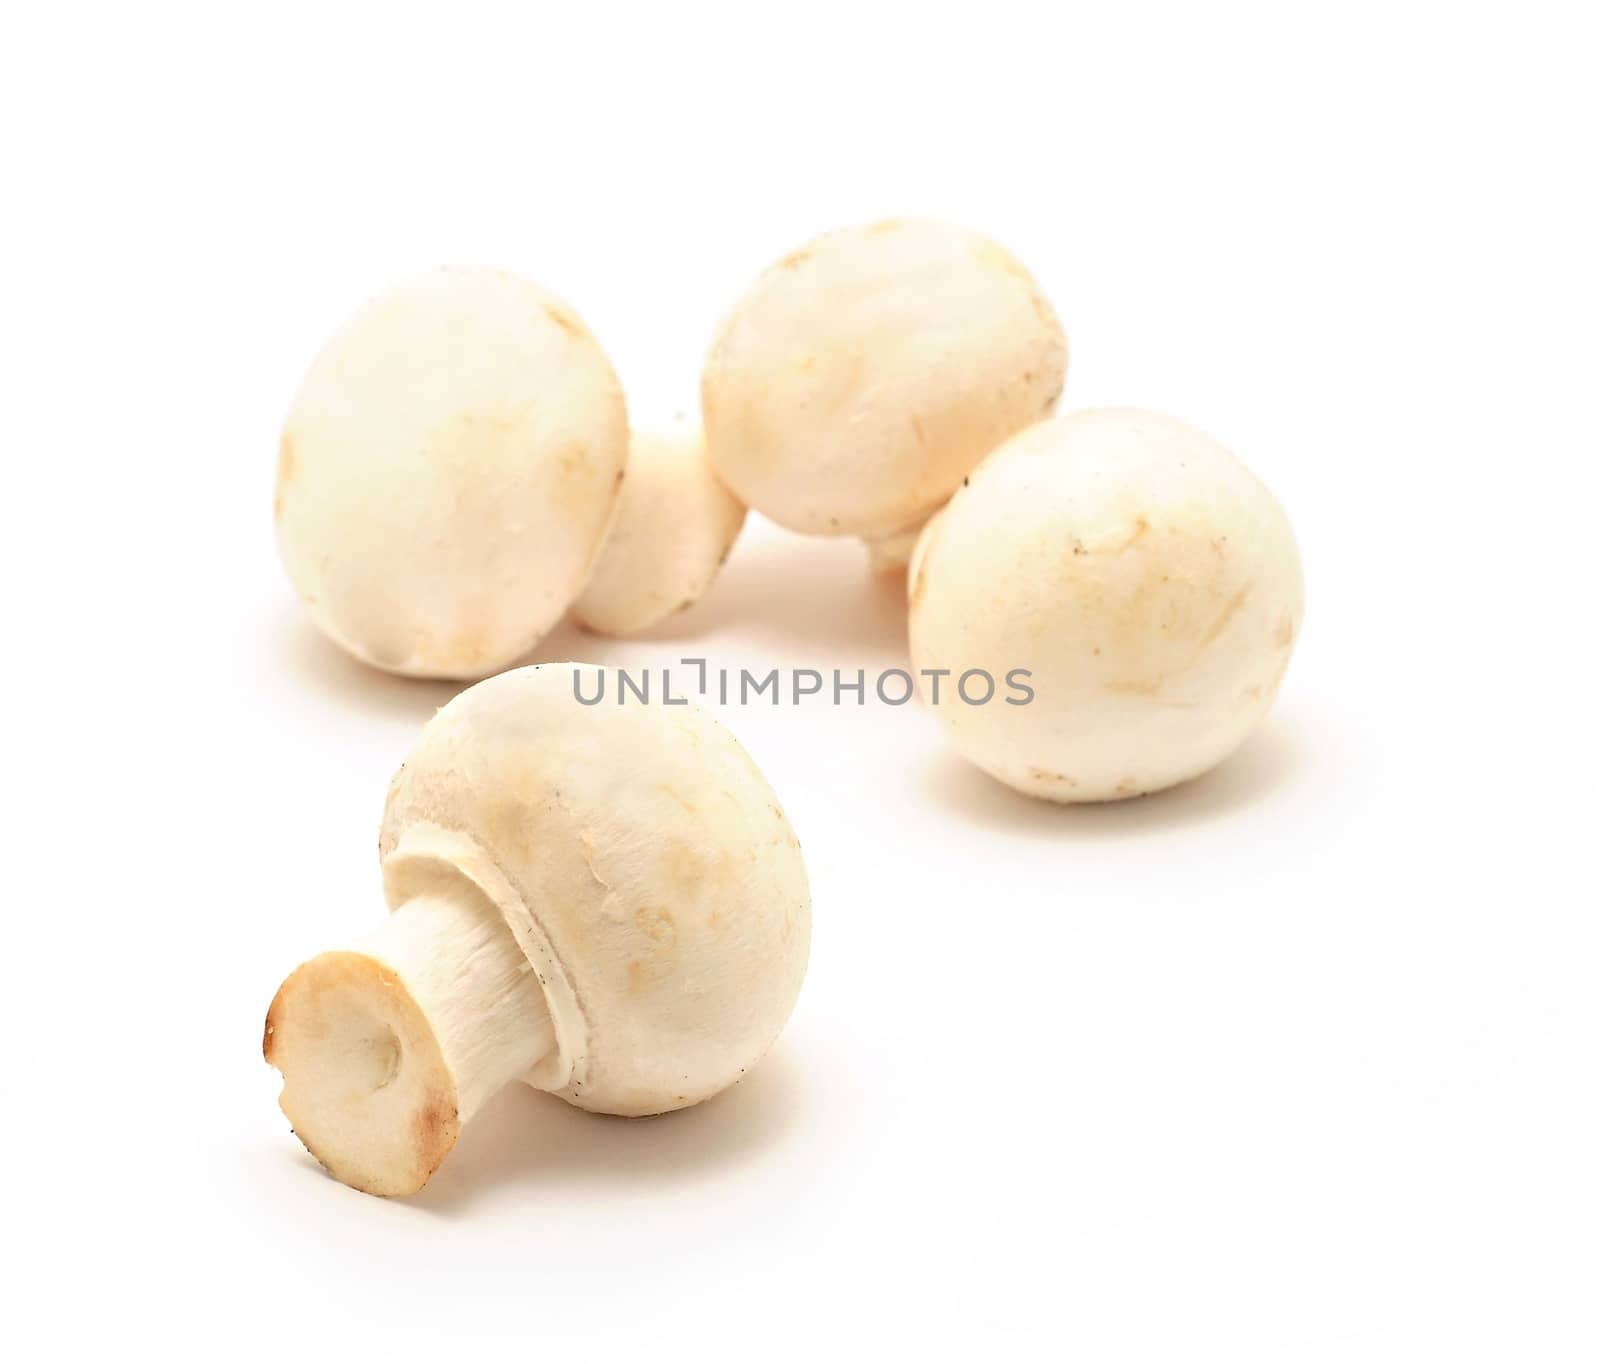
{"points": [[287, 467], [1235, 603], [563, 319], [1136, 686], [656, 923]]}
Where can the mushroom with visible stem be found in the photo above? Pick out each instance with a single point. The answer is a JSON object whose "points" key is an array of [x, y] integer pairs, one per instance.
{"points": [[604, 900], [448, 471], [674, 528], [1143, 579], [859, 379]]}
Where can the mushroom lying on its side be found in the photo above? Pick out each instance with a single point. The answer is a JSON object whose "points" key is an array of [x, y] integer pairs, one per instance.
{"points": [[1146, 582], [859, 379], [447, 473], [605, 901], [674, 527]]}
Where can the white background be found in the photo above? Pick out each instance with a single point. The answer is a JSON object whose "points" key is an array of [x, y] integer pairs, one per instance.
{"points": [[1299, 1063]]}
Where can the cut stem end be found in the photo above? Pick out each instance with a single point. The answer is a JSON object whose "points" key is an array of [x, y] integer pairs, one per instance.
{"points": [[388, 1048]]}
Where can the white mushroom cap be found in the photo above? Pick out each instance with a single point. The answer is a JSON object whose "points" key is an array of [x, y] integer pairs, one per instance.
{"points": [[862, 376], [447, 473], [603, 900], [674, 527], [1145, 578]]}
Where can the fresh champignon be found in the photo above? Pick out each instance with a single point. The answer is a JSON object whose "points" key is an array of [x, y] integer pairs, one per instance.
{"points": [[448, 471], [1147, 581], [861, 377], [605, 901], [675, 525]]}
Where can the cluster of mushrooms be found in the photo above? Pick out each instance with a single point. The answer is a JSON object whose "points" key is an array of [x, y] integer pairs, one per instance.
{"points": [[608, 902]]}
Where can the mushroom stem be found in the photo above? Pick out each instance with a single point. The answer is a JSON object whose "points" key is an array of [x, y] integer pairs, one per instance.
{"points": [[890, 553], [389, 1046]]}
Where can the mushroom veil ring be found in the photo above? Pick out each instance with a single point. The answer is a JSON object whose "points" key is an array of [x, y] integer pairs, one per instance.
{"points": [[605, 902]]}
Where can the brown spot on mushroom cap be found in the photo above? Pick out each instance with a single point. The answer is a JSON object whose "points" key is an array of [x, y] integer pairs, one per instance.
{"points": [[563, 319], [1225, 619], [469, 648], [573, 462], [1137, 686], [1149, 690], [288, 466], [656, 923], [645, 974], [677, 795], [887, 225], [794, 258], [1285, 636], [465, 650]]}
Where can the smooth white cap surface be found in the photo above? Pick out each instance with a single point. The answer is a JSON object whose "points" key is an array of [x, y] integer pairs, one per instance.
{"points": [[447, 472], [1147, 581], [861, 377]]}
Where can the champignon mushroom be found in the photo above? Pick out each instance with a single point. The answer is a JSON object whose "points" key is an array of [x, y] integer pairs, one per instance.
{"points": [[1142, 578], [605, 901], [674, 527], [447, 473], [860, 378]]}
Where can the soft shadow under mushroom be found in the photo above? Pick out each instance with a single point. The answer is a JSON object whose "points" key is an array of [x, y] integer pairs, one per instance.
{"points": [[325, 669], [817, 597], [524, 1138], [1267, 762]]}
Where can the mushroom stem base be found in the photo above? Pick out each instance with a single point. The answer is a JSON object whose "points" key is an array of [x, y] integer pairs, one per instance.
{"points": [[388, 1047]]}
